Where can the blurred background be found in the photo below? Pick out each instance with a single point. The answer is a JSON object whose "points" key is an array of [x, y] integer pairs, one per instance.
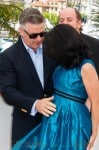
{"points": [[10, 10]]}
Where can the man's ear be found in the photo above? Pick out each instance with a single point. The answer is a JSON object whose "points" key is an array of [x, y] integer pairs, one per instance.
{"points": [[79, 26], [20, 31]]}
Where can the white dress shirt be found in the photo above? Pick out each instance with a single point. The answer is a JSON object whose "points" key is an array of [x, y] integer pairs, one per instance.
{"points": [[37, 58]]}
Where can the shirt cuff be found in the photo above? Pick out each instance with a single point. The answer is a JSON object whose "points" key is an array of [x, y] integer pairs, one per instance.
{"points": [[33, 110]]}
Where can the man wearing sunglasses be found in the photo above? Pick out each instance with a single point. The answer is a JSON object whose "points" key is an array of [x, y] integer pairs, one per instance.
{"points": [[26, 75]]}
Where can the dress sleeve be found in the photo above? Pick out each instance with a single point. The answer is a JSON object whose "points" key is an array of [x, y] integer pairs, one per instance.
{"points": [[87, 61]]}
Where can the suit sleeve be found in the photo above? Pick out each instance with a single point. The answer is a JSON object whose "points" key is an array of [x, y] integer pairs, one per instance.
{"points": [[9, 87]]}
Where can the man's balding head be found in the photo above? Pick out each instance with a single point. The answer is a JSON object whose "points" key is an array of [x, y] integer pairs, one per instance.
{"points": [[72, 17]]}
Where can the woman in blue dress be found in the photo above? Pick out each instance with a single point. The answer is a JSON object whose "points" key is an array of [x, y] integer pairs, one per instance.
{"points": [[72, 126]]}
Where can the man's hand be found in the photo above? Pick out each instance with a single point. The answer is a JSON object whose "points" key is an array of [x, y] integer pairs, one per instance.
{"points": [[45, 106]]}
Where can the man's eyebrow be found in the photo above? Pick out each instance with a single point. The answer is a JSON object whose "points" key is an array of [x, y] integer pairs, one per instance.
{"points": [[65, 17], [69, 17]]}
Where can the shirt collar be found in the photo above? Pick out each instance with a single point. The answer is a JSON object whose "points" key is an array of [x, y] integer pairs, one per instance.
{"points": [[39, 49]]}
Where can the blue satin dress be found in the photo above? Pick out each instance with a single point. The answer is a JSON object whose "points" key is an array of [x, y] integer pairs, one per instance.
{"points": [[70, 127]]}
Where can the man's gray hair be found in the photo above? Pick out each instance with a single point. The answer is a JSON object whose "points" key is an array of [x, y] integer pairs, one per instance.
{"points": [[31, 15]]}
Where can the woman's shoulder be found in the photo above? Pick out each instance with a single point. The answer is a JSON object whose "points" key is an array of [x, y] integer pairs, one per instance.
{"points": [[87, 67]]}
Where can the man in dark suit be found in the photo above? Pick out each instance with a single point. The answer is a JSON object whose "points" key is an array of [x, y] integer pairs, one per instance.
{"points": [[26, 75], [73, 17]]}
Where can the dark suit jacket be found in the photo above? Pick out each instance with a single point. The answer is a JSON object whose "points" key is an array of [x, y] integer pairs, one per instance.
{"points": [[21, 86], [93, 44]]}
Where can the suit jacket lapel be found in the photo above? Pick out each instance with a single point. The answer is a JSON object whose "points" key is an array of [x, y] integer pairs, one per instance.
{"points": [[27, 62], [46, 68]]}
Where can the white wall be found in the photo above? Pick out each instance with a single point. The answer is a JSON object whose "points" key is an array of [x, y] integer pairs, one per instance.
{"points": [[5, 125]]}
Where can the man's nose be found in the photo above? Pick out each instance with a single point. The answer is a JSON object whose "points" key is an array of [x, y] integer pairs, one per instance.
{"points": [[39, 38]]}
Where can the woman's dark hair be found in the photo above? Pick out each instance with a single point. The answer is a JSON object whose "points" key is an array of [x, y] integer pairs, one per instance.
{"points": [[65, 45]]}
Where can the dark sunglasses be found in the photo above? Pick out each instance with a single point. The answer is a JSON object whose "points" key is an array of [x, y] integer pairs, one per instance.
{"points": [[34, 35]]}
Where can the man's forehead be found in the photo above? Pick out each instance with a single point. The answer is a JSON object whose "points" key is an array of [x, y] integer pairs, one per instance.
{"points": [[68, 13]]}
